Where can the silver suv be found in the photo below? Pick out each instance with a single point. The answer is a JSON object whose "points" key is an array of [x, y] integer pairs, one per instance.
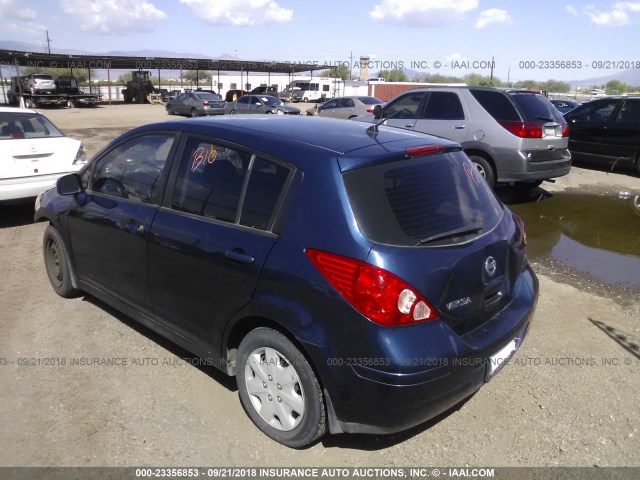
{"points": [[38, 83], [510, 135]]}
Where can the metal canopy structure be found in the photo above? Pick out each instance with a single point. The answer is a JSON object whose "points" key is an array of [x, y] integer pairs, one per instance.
{"points": [[20, 59]]}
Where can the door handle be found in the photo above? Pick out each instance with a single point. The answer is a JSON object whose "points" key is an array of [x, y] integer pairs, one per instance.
{"points": [[459, 127], [239, 256], [410, 125], [131, 225]]}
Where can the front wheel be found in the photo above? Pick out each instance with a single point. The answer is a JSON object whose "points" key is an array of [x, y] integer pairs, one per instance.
{"points": [[56, 262], [234, 112], [279, 390], [484, 169]]}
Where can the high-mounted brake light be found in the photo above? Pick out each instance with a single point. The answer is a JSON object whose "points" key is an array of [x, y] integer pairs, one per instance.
{"points": [[523, 129], [424, 150], [377, 294]]}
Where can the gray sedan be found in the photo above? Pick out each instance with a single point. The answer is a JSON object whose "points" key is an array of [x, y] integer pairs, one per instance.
{"points": [[261, 104], [196, 104], [348, 107]]}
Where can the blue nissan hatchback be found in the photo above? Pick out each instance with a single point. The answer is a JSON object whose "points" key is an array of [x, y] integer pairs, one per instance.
{"points": [[354, 278]]}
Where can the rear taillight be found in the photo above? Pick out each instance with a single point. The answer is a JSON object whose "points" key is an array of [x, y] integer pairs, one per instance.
{"points": [[369, 110], [206, 104], [423, 150], [376, 293], [523, 129], [81, 156], [565, 131]]}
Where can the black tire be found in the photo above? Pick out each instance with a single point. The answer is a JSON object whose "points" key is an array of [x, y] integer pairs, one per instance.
{"points": [[307, 421], [170, 111], [70, 104], [56, 261], [233, 112], [484, 169], [194, 113]]}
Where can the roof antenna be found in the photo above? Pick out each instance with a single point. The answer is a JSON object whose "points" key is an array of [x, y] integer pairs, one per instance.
{"points": [[373, 129]]}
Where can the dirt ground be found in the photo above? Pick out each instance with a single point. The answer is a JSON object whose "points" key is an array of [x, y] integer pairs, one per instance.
{"points": [[570, 397]]}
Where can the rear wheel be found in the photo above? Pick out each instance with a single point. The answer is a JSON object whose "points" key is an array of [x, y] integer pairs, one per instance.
{"points": [[278, 389], [484, 169], [194, 112], [56, 262], [234, 112]]}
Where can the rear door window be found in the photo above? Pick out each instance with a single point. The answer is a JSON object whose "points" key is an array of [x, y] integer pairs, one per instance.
{"points": [[229, 184], [444, 106], [210, 180], [420, 199]]}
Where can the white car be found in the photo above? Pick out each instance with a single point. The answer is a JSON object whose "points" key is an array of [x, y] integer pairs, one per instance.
{"points": [[33, 154]]}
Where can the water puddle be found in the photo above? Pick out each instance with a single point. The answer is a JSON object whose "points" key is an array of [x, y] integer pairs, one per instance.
{"points": [[593, 234]]}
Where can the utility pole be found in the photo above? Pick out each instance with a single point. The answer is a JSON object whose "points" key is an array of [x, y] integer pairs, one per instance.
{"points": [[350, 66], [48, 43]]}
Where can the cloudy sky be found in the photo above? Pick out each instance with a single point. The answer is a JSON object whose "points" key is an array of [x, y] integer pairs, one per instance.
{"points": [[429, 35]]}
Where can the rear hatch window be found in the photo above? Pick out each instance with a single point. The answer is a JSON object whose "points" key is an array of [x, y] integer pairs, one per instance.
{"points": [[431, 200], [536, 108]]}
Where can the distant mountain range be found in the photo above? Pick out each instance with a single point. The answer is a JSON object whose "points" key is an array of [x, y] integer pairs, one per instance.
{"points": [[630, 77], [30, 47]]}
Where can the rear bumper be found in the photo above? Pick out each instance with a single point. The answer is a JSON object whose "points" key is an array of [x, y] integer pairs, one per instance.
{"points": [[27, 187], [524, 165], [213, 111], [365, 399]]}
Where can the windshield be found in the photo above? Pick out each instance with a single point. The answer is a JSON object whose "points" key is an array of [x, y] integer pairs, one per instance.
{"points": [[431, 200], [26, 125]]}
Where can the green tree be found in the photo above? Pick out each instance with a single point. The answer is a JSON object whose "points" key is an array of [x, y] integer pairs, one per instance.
{"points": [[437, 78], [615, 87], [197, 77], [342, 72], [475, 79], [555, 86], [395, 75]]}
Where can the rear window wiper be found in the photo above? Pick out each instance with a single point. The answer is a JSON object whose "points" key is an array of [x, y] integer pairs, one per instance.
{"points": [[548, 119], [467, 229]]}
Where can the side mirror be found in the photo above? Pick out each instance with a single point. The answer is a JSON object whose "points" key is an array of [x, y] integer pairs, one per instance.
{"points": [[69, 184], [377, 112]]}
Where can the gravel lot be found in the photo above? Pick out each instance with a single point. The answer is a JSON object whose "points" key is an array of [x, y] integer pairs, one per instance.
{"points": [[569, 398]]}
